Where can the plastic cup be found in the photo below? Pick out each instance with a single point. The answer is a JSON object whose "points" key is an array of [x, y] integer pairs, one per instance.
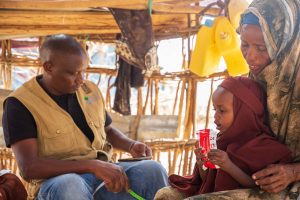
{"points": [[207, 141]]}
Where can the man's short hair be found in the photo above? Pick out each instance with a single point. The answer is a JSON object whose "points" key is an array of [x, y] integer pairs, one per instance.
{"points": [[60, 43]]}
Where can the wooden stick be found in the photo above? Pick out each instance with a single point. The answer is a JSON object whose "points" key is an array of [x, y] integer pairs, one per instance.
{"points": [[185, 163], [151, 96], [99, 80], [187, 120], [9, 65], [135, 125], [183, 66], [181, 106], [169, 161], [176, 97], [3, 58], [175, 157], [140, 101], [191, 149], [181, 157], [107, 95], [194, 109], [209, 103], [156, 97], [147, 97]]}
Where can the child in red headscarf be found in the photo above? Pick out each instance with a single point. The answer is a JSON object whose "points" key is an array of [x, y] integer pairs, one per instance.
{"points": [[245, 143]]}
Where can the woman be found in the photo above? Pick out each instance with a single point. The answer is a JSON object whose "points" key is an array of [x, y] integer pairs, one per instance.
{"points": [[270, 43], [271, 47]]}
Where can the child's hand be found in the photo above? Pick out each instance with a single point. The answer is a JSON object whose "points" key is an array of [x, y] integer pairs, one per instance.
{"points": [[199, 156], [220, 158]]}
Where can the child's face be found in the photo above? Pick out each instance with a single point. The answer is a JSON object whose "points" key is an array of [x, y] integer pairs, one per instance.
{"points": [[223, 105]]}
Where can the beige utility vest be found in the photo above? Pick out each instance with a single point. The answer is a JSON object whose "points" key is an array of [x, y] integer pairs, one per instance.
{"points": [[58, 136]]}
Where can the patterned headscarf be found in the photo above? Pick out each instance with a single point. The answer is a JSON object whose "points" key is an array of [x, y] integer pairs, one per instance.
{"points": [[279, 21]]}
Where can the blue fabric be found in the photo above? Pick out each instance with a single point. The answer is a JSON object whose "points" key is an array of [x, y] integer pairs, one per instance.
{"points": [[145, 178], [250, 18]]}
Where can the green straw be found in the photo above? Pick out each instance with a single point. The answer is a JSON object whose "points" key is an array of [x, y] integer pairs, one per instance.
{"points": [[135, 195]]}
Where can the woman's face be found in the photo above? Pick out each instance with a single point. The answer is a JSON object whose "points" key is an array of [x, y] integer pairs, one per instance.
{"points": [[223, 105], [253, 48]]}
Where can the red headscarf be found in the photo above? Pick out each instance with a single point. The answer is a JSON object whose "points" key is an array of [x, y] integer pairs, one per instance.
{"points": [[248, 142]]}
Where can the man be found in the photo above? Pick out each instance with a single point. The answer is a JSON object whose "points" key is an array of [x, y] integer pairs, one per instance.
{"points": [[61, 135]]}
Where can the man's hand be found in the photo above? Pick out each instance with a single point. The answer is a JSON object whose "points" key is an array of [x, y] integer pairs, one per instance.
{"points": [[274, 178], [113, 175], [139, 149]]}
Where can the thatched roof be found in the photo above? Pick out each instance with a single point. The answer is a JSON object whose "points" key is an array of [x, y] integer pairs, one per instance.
{"points": [[25, 18]]}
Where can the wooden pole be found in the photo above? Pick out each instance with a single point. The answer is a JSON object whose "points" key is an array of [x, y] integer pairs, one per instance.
{"points": [[3, 61], [189, 40], [108, 106], [181, 106], [169, 161], [151, 96], [191, 149], [9, 65], [176, 97], [156, 97], [185, 162], [135, 125], [188, 113], [174, 161], [209, 103], [194, 108], [147, 97]]}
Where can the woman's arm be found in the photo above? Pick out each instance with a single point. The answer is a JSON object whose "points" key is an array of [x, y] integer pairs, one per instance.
{"points": [[277, 177], [220, 158]]}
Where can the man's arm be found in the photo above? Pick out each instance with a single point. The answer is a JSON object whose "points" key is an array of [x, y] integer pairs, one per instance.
{"points": [[34, 167], [120, 141], [277, 177]]}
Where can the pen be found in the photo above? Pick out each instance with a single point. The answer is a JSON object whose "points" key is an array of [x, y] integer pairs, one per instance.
{"points": [[100, 186]]}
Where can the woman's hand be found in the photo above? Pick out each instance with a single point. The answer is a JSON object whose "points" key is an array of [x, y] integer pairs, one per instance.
{"points": [[275, 178], [139, 149], [220, 158]]}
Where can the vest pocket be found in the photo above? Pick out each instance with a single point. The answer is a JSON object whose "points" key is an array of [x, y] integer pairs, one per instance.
{"points": [[97, 126], [58, 140]]}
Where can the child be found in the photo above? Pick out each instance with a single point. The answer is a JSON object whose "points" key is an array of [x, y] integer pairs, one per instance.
{"points": [[245, 143]]}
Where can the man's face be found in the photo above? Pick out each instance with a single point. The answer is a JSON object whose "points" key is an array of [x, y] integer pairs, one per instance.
{"points": [[253, 48], [223, 105], [67, 71]]}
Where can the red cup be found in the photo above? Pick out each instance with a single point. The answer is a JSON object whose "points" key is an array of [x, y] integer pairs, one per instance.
{"points": [[205, 144]]}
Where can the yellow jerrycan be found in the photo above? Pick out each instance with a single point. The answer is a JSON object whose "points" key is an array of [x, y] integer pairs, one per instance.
{"points": [[206, 56], [228, 44]]}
